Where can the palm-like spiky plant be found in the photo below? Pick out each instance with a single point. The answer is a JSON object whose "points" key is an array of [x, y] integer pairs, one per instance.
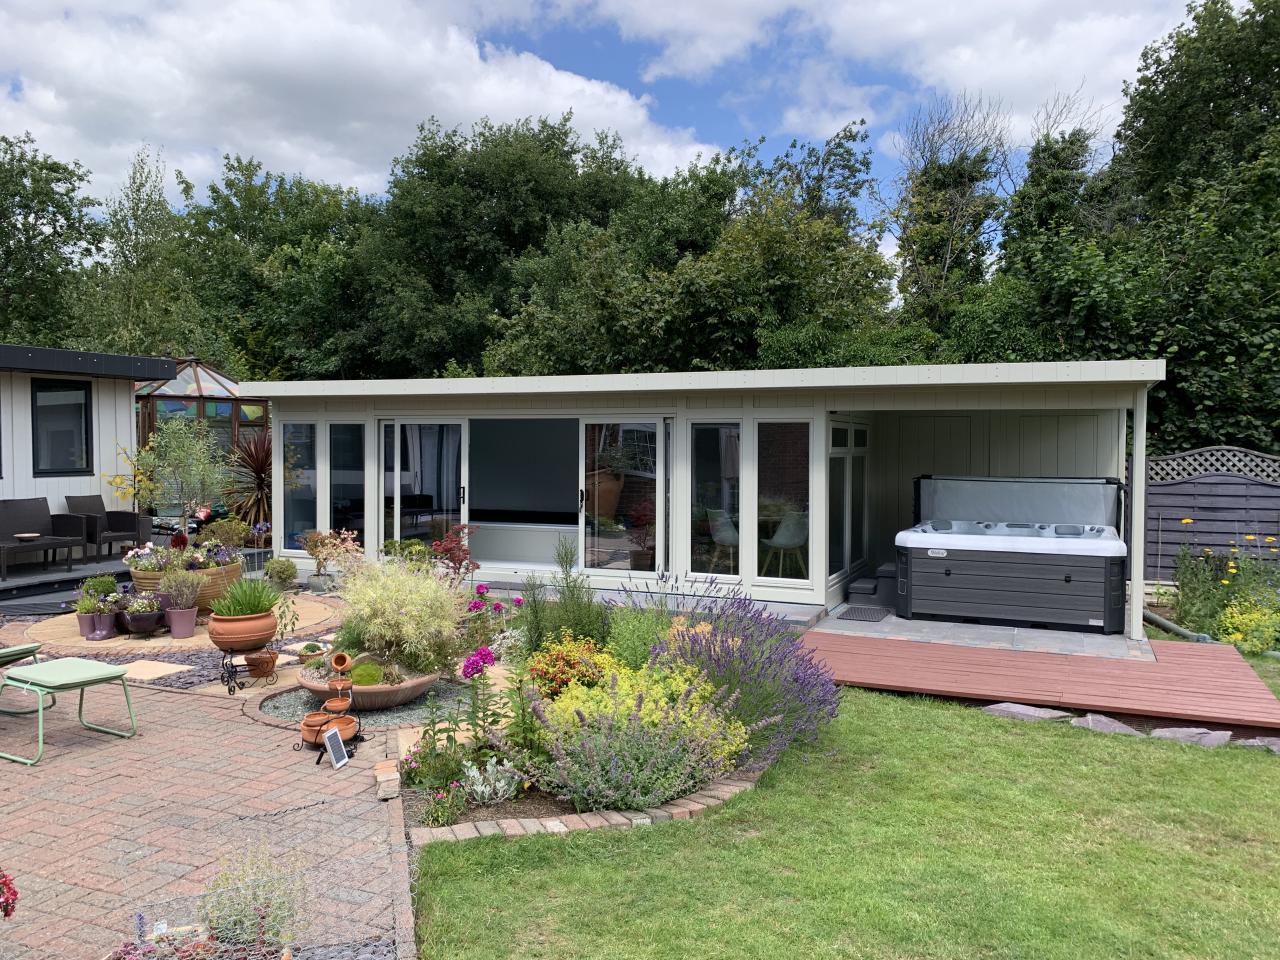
{"points": [[249, 490]]}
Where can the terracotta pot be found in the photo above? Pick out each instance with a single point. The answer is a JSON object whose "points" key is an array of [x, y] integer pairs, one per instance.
{"points": [[182, 623], [339, 685], [252, 632], [375, 696], [346, 727], [217, 579], [341, 662], [312, 725], [337, 705], [85, 622], [261, 663]]}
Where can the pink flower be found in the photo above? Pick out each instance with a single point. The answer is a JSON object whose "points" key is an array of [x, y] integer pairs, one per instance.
{"points": [[497, 606], [482, 588], [517, 602], [475, 606]]}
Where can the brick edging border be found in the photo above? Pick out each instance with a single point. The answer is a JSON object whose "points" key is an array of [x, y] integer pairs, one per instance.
{"points": [[695, 804]]}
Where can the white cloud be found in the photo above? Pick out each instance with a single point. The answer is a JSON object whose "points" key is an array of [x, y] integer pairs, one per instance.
{"points": [[333, 89]]}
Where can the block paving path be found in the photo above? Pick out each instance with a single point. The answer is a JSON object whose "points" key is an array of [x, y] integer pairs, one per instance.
{"points": [[103, 827]]}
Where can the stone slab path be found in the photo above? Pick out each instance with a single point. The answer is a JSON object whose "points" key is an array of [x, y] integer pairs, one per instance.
{"points": [[104, 827]]}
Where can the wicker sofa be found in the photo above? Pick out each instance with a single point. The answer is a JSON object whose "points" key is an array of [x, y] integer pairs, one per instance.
{"points": [[57, 531], [109, 527]]}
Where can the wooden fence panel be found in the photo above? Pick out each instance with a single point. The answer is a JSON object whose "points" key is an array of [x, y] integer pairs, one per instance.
{"points": [[1230, 494]]}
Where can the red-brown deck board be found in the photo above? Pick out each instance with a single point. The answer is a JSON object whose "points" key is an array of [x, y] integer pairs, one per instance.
{"points": [[1207, 683]]}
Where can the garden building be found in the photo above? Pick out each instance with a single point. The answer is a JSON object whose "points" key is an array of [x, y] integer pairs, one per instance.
{"points": [[197, 391], [790, 483]]}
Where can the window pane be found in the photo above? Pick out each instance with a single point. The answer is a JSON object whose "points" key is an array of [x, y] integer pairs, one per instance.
{"points": [[60, 424], [835, 514], [300, 482], [388, 481], [839, 437], [622, 495], [860, 438], [858, 511], [346, 478], [217, 417], [175, 408], [252, 412], [716, 472], [430, 479], [783, 479]]}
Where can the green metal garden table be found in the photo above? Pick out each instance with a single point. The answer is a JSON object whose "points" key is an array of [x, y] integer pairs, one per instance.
{"points": [[60, 676]]}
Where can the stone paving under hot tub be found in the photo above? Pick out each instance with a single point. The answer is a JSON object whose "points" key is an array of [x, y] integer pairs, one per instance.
{"points": [[103, 828]]}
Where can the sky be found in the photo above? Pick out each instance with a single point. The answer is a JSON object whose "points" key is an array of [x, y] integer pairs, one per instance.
{"points": [[334, 90]]}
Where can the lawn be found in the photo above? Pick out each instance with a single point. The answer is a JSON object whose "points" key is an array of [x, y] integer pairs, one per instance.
{"points": [[917, 829]]}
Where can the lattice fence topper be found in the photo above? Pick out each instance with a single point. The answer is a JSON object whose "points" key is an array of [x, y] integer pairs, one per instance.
{"points": [[1210, 461]]}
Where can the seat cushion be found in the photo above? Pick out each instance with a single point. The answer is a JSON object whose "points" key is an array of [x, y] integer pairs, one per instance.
{"points": [[10, 655], [66, 673]]}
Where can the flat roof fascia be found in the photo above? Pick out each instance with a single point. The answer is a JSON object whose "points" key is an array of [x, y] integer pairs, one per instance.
{"points": [[111, 366], [1135, 372]]}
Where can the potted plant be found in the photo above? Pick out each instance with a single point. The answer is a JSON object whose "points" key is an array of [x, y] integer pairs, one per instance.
{"points": [[183, 588], [640, 533], [244, 618], [104, 617], [142, 613], [332, 548], [282, 572], [216, 564]]}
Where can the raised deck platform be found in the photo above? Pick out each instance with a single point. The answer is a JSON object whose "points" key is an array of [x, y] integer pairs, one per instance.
{"points": [[1205, 683]]}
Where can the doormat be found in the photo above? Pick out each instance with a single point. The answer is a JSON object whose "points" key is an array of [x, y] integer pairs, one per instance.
{"points": [[868, 614]]}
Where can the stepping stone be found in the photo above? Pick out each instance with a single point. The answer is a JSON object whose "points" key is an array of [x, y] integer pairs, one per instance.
{"points": [[143, 670], [1261, 743], [1196, 735], [1101, 723], [1024, 711]]}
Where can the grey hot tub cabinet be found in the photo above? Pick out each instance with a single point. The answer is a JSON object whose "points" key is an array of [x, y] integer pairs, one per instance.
{"points": [[1035, 588]]}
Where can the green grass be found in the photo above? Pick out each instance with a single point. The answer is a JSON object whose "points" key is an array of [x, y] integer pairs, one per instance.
{"points": [[916, 829]]}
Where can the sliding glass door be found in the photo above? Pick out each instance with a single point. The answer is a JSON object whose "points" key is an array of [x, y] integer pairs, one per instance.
{"points": [[623, 468], [423, 478]]}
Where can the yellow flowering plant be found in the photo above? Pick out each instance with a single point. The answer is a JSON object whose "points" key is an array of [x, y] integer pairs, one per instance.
{"points": [[1251, 623]]}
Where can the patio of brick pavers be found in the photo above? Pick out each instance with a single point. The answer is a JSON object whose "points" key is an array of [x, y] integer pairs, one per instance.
{"points": [[103, 827]]}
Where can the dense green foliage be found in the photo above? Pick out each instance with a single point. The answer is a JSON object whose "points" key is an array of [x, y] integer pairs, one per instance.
{"points": [[523, 248]]}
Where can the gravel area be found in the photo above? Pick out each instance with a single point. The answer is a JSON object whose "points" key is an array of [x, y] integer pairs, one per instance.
{"points": [[292, 704], [532, 803]]}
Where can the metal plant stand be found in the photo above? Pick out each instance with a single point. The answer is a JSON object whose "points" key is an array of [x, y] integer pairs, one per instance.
{"points": [[236, 676]]}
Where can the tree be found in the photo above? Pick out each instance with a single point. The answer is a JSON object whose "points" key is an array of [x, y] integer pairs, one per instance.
{"points": [[135, 297], [46, 232], [944, 215]]}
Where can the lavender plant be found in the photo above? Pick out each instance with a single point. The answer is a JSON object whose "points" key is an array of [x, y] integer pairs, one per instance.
{"points": [[756, 656], [627, 761]]}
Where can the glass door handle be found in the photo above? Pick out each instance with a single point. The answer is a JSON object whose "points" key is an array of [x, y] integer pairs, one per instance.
{"points": [[582, 498]]}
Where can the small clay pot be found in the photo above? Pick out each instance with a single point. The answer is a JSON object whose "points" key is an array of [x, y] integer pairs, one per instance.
{"points": [[261, 663], [341, 662], [312, 725], [339, 685], [346, 727], [337, 705]]}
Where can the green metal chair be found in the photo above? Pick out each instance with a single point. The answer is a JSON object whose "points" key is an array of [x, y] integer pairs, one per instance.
{"points": [[11, 655], [59, 676]]}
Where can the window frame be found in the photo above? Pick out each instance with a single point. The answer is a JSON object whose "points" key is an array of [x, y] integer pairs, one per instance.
{"points": [[57, 383]]}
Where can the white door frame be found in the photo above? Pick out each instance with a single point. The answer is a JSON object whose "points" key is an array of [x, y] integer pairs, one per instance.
{"points": [[463, 464], [660, 468]]}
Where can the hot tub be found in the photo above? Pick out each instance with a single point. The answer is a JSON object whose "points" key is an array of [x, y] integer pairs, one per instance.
{"points": [[1055, 559]]}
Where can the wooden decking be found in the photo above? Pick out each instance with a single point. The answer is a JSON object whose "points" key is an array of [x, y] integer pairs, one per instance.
{"points": [[1205, 683]]}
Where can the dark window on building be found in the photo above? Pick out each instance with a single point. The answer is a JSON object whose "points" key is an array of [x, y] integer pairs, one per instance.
{"points": [[61, 427]]}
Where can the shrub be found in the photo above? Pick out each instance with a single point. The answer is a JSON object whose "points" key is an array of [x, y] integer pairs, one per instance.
{"points": [[281, 571], [366, 674], [568, 660], [534, 620], [493, 783], [634, 632], [142, 603], [576, 608], [230, 531], [654, 695], [404, 614], [336, 547], [627, 762], [1209, 582], [410, 551], [253, 902], [1251, 623], [100, 586], [249, 479], [182, 587], [444, 805], [426, 767], [245, 598], [780, 692]]}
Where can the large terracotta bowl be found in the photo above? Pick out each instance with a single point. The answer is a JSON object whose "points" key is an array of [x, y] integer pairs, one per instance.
{"points": [[377, 696], [217, 580], [232, 634]]}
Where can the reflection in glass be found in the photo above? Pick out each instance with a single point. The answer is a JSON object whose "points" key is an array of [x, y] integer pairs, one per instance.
{"points": [[621, 495], [388, 452], [300, 482], [782, 468], [716, 474], [346, 478], [835, 514], [858, 511], [430, 479]]}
